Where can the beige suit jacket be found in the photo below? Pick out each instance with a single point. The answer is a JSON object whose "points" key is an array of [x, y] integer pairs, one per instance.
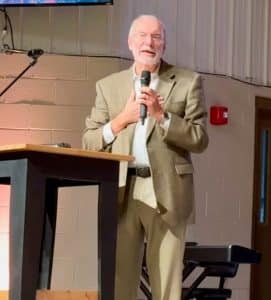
{"points": [[169, 152]]}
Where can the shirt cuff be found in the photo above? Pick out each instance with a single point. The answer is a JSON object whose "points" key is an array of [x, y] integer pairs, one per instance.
{"points": [[108, 134], [164, 123]]}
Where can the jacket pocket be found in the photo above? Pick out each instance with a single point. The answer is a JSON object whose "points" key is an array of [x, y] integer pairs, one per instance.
{"points": [[182, 169]]}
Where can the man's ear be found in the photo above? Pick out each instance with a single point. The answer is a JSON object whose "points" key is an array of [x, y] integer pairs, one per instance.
{"points": [[164, 48], [130, 43]]}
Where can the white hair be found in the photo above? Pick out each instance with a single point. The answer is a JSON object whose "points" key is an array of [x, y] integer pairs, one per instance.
{"points": [[132, 27]]}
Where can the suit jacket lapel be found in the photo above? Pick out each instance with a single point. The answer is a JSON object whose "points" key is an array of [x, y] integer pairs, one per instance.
{"points": [[165, 85], [126, 87]]}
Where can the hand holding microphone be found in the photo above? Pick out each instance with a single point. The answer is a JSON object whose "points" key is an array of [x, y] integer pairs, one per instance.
{"points": [[153, 101]]}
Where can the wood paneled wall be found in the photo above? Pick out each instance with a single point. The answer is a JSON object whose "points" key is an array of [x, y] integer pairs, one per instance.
{"points": [[230, 37]]}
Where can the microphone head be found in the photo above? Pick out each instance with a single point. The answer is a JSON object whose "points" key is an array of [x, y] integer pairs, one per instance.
{"points": [[145, 78], [35, 53]]}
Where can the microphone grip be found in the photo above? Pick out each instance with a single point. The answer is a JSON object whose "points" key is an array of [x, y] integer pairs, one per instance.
{"points": [[145, 80], [142, 113]]}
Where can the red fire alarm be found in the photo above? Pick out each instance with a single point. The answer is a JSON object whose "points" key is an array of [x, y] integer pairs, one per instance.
{"points": [[218, 115]]}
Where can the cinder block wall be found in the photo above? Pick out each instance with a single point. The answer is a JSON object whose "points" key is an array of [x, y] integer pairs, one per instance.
{"points": [[50, 103]]}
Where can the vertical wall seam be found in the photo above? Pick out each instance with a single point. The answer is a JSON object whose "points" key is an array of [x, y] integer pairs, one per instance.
{"points": [[50, 29], [194, 35], [249, 21], [21, 18], [212, 37], [110, 22], [266, 42], [79, 35], [231, 38], [177, 32]]}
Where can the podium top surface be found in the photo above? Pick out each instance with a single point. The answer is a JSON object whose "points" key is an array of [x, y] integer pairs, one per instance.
{"points": [[20, 148]]}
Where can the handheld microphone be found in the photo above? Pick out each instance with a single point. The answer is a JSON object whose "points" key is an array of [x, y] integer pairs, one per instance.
{"points": [[145, 80], [35, 53]]}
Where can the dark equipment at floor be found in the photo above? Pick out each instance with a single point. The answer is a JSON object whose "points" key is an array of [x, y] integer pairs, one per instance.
{"points": [[221, 262]]}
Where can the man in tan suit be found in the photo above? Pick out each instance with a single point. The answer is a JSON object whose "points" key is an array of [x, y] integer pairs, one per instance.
{"points": [[156, 190]]}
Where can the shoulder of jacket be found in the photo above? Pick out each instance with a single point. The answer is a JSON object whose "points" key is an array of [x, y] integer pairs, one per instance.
{"points": [[115, 78], [185, 73], [179, 72]]}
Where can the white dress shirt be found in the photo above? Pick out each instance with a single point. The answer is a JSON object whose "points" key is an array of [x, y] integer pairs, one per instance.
{"points": [[139, 148]]}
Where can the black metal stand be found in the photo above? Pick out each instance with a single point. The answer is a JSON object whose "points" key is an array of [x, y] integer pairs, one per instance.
{"points": [[221, 262], [32, 63]]}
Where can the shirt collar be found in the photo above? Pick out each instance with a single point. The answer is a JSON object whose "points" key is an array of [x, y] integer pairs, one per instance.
{"points": [[153, 75]]}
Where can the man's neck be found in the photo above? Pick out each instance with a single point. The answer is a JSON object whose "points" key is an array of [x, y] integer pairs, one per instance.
{"points": [[151, 68]]}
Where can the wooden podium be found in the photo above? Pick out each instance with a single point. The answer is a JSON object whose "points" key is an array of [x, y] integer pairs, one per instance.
{"points": [[35, 172]]}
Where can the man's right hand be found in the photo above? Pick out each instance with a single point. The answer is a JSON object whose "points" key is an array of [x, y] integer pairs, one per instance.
{"points": [[129, 115]]}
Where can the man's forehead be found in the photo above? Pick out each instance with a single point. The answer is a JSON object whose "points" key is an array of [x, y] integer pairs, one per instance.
{"points": [[147, 24]]}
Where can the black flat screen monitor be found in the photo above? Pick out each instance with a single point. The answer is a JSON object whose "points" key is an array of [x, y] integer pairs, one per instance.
{"points": [[9, 3]]}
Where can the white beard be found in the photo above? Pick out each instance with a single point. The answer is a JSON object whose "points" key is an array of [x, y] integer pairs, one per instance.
{"points": [[144, 60]]}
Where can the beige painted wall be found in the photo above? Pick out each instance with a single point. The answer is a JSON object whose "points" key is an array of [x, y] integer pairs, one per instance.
{"points": [[49, 105]]}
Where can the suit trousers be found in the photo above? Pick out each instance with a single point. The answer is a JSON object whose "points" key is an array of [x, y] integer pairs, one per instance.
{"points": [[138, 223]]}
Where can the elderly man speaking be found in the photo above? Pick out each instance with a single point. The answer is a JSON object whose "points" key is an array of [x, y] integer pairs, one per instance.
{"points": [[155, 112]]}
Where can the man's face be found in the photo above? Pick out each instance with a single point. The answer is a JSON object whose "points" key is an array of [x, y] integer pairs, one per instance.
{"points": [[147, 41]]}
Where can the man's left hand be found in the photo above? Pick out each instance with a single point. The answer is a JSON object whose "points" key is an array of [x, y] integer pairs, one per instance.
{"points": [[154, 102]]}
